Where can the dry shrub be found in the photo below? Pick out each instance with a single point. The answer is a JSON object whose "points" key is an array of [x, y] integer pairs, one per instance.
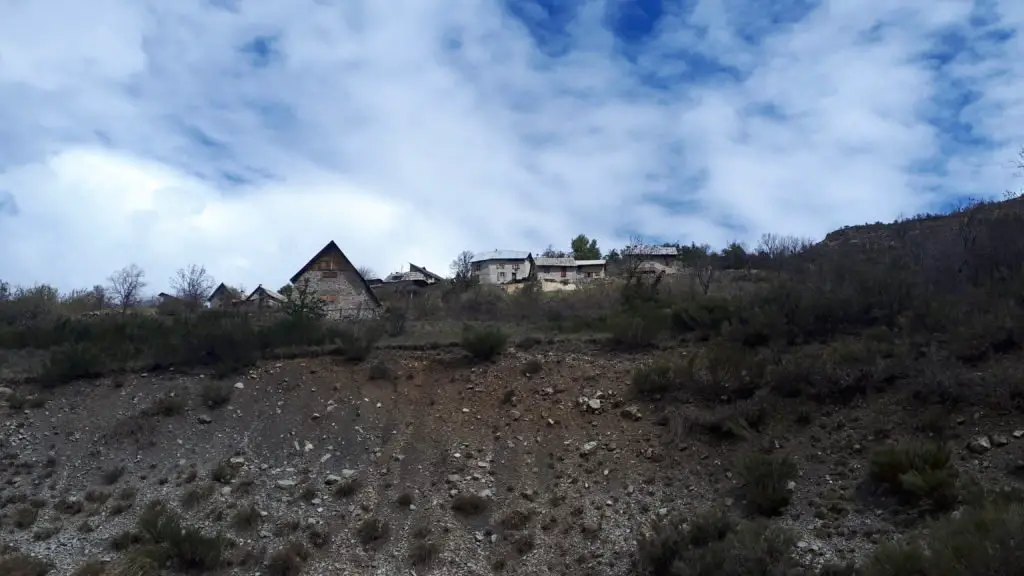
{"points": [[766, 482], [917, 472], [373, 532]]}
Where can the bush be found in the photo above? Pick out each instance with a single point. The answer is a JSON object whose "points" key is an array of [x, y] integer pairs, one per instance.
{"points": [[216, 394], [766, 482], [703, 317], [654, 378], [917, 471], [981, 542], [373, 531], [469, 504], [637, 328], [72, 362], [484, 342], [288, 561], [713, 544], [171, 541], [18, 564]]}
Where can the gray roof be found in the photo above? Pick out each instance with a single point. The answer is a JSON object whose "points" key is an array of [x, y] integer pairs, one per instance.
{"points": [[590, 262], [651, 251], [500, 255], [544, 261], [273, 294]]}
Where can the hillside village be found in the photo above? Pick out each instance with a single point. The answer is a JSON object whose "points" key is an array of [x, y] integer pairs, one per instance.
{"points": [[853, 407], [347, 294]]}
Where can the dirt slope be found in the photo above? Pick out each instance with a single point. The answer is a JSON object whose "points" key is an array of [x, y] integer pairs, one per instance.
{"points": [[570, 466]]}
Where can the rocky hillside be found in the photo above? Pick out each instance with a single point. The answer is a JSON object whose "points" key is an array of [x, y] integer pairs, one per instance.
{"points": [[418, 462]]}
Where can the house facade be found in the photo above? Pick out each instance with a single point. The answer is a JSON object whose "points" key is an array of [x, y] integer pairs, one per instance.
{"points": [[653, 259], [561, 270], [335, 280], [224, 297], [591, 270], [265, 298], [502, 266]]}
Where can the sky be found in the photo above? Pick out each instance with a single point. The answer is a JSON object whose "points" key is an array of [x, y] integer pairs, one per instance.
{"points": [[243, 135]]}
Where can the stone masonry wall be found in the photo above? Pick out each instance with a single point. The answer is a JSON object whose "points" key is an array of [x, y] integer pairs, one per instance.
{"points": [[349, 299]]}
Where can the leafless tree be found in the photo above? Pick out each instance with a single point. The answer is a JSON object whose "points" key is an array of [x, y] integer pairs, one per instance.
{"points": [[704, 268], [193, 285], [635, 253], [126, 286], [366, 272], [462, 266]]}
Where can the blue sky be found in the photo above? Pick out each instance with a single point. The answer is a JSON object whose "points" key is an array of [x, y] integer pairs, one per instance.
{"points": [[245, 134]]}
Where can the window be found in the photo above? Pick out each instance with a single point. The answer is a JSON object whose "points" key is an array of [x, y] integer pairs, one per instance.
{"points": [[329, 274], [501, 266], [564, 271], [515, 266], [501, 275]]}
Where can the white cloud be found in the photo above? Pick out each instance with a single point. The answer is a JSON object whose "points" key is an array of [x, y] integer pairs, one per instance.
{"points": [[410, 134]]}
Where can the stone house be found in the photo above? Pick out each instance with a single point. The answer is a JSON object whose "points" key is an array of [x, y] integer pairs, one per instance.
{"points": [[224, 297], [502, 266], [264, 298], [590, 270], [653, 259], [336, 281], [561, 270]]}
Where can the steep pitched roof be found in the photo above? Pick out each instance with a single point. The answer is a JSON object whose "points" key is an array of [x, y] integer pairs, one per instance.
{"points": [[231, 292], [271, 293], [332, 247], [424, 271]]}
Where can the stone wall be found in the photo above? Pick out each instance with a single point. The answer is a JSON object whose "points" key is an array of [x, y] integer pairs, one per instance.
{"points": [[342, 292]]}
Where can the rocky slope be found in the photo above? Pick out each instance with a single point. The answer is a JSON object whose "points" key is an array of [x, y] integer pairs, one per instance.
{"points": [[539, 463]]}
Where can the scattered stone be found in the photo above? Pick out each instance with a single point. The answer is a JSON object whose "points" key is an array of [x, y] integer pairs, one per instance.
{"points": [[332, 479], [980, 445], [346, 473], [588, 448], [1000, 440], [239, 386], [5, 392], [204, 419], [285, 484], [1018, 434], [315, 416], [594, 404]]}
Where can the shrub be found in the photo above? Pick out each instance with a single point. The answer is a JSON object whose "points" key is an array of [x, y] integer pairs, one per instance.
{"points": [[111, 475], [72, 362], [766, 482], [704, 317], [917, 471], [167, 406], [355, 344], [484, 342], [24, 516], [380, 370], [348, 487], [246, 518], [289, 560], [19, 564], [171, 541], [712, 544], [469, 504], [982, 541], [373, 531], [216, 394], [636, 329], [424, 552], [654, 378]]}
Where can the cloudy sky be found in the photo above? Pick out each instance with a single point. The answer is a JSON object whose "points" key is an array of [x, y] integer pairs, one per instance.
{"points": [[245, 134]]}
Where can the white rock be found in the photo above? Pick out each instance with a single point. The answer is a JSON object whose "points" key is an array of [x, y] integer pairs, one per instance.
{"points": [[285, 484], [239, 386]]}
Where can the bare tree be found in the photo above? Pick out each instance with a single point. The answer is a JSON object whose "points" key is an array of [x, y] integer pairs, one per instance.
{"points": [[193, 285], [366, 272], [704, 266], [635, 253], [462, 266], [126, 286]]}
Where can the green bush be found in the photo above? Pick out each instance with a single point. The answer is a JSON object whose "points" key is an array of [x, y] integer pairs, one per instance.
{"points": [[916, 472], [636, 328], [72, 362], [484, 342], [766, 482], [704, 317], [169, 541], [654, 378]]}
